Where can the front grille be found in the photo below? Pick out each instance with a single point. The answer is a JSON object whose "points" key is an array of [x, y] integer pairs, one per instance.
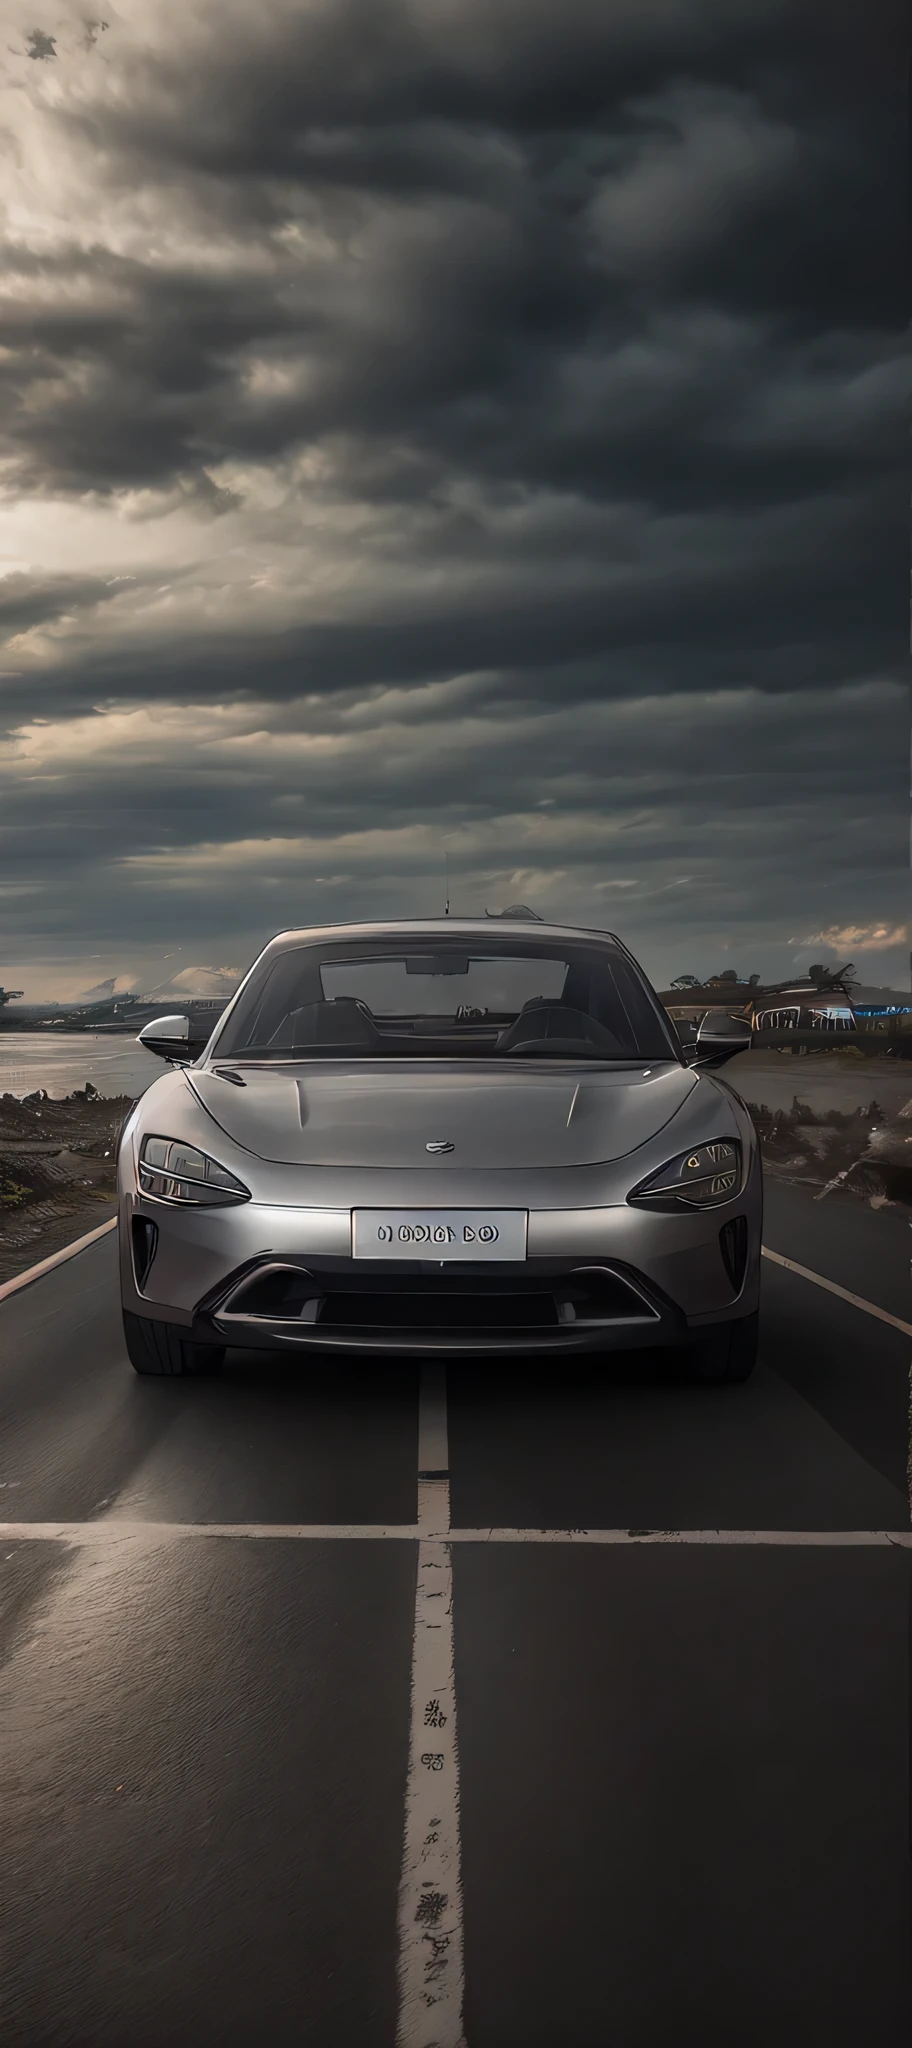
{"points": [[439, 1311], [415, 1300]]}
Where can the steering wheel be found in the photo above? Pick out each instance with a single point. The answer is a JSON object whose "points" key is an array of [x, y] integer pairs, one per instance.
{"points": [[566, 1048], [526, 1034]]}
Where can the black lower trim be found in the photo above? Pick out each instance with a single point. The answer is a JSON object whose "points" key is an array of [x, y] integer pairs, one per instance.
{"points": [[543, 1304]]}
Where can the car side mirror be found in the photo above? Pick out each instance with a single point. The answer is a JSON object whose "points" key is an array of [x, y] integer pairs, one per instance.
{"points": [[170, 1038], [719, 1039], [687, 1034]]}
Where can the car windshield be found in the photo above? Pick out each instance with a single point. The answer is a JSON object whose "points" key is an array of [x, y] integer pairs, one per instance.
{"points": [[421, 996]]}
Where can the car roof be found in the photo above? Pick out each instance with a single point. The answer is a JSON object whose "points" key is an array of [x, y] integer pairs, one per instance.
{"points": [[440, 928]]}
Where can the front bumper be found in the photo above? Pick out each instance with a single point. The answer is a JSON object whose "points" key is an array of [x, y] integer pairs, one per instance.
{"points": [[595, 1279]]}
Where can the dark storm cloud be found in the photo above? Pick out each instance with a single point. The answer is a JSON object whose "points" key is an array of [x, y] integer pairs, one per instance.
{"points": [[525, 190], [27, 601], [800, 599], [41, 46], [568, 341], [748, 761], [650, 787]]}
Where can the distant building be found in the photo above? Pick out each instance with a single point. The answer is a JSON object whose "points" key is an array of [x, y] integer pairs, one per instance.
{"points": [[820, 1001], [882, 1009]]}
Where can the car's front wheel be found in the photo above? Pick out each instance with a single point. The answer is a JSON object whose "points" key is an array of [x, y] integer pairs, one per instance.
{"points": [[164, 1349], [726, 1352]]}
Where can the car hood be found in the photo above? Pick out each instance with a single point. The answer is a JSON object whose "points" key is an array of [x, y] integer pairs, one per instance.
{"points": [[375, 1114]]}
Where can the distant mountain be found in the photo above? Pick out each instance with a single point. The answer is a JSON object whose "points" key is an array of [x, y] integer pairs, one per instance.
{"points": [[105, 991], [214, 983]]}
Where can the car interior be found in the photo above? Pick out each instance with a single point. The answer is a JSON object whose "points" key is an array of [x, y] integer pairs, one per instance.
{"points": [[594, 1008], [346, 1024]]}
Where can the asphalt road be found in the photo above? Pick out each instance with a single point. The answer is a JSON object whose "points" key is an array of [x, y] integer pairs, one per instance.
{"points": [[683, 1765]]}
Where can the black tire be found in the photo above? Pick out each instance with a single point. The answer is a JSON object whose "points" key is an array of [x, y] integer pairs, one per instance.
{"points": [[726, 1353], [165, 1350]]}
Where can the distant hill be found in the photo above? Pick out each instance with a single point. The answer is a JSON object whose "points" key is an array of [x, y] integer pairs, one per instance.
{"points": [[105, 991], [211, 983], [208, 983]]}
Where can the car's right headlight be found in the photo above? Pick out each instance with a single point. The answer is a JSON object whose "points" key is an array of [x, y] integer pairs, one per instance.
{"points": [[175, 1172], [700, 1179]]}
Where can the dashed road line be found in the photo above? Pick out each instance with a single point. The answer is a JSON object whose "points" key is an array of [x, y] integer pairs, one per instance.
{"points": [[430, 1888], [856, 1300]]}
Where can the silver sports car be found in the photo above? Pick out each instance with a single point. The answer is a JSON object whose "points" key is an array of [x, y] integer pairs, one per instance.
{"points": [[451, 1137]]}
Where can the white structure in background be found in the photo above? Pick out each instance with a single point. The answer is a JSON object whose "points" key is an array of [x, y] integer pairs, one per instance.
{"points": [[830, 1017]]}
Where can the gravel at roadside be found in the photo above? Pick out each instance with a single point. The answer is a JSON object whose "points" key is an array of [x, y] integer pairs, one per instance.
{"points": [[57, 1172]]}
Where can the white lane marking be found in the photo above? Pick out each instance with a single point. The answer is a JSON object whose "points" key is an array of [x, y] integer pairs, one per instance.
{"points": [[430, 1887], [57, 1259], [820, 1538], [857, 1300], [111, 1530]]}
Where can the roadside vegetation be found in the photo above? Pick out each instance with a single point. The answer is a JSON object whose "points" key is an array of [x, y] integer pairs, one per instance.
{"points": [[862, 1152]]}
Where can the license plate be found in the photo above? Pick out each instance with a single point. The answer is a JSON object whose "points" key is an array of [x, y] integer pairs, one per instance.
{"points": [[439, 1233]]}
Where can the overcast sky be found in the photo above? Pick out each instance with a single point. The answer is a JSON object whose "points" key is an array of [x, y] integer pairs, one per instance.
{"points": [[466, 426]]}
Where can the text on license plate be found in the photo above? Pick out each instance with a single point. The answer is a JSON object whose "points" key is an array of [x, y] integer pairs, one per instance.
{"points": [[439, 1233]]}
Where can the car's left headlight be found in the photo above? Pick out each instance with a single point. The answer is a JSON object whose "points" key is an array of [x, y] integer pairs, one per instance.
{"points": [[700, 1179], [176, 1172]]}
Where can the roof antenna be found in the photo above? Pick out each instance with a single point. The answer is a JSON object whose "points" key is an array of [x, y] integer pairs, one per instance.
{"points": [[446, 872]]}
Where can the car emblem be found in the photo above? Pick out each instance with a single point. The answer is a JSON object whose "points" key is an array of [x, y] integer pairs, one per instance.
{"points": [[439, 1145]]}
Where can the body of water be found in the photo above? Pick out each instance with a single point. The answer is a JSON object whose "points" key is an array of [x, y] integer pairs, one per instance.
{"points": [[63, 1060], [823, 1083]]}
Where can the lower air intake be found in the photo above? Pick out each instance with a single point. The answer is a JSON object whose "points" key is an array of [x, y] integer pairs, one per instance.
{"points": [[144, 1240], [440, 1311], [733, 1246], [415, 1300]]}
